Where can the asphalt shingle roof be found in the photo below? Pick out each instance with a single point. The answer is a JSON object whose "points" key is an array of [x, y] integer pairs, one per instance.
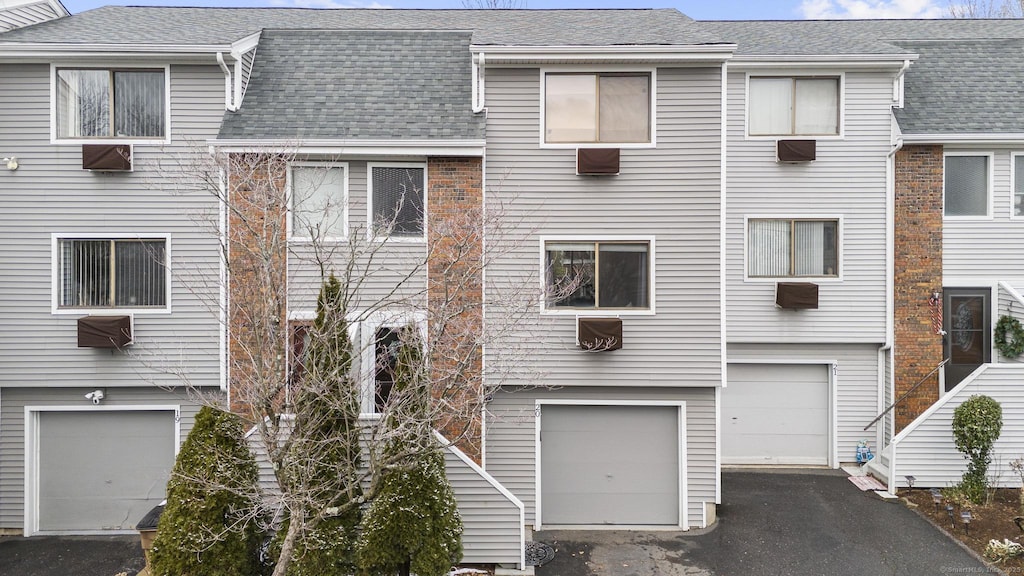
{"points": [[163, 25], [359, 85]]}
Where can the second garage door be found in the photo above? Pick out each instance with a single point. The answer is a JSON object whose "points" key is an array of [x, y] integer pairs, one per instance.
{"points": [[610, 465], [776, 414]]}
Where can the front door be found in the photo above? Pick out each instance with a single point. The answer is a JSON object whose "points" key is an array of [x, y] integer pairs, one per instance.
{"points": [[968, 324]]}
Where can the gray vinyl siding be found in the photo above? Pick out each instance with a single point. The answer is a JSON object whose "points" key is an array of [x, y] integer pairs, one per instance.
{"points": [[986, 250], [1007, 305], [856, 391], [12, 432], [927, 451], [246, 70], [847, 181], [510, 437], [50, 193], [888, 421], [26, 15], [492, 523], [380, 269], [670, 192]]}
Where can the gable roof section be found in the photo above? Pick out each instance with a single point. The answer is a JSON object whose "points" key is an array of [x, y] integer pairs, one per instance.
{"points": [[19, 13], [358, 85], [212, 26], [964, 87]]}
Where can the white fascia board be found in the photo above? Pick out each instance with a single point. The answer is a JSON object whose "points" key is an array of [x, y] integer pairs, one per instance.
{"points": [[71, 50], [985, 138], [59, 8], [245, 44], [851, 61], [642, 53], [357, 148]]}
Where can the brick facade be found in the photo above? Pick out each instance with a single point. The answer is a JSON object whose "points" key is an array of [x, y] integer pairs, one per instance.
{"points": [[455, 293], [918, 274]]}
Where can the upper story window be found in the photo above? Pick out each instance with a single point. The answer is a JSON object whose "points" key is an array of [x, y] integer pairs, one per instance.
{"points": [[398, 200], [612, 108], [598, 275], [319, 202], [1018, 184], [109, 103], [966, 188], [112, 273], [792, 248], [793, 106]]}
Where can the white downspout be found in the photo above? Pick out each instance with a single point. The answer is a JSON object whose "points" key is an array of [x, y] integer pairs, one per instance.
{"points": [[229, 103], [890, 306], [478, 83]]}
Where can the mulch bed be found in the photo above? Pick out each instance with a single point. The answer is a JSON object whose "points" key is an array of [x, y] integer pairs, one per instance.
{"points": [[991, 521]]}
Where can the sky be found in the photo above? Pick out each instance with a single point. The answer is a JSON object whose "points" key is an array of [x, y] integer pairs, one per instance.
{"points": [[698, 9]]}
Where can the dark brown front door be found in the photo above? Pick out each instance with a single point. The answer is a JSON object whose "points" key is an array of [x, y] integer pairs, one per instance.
{"points": [[968, 324]]}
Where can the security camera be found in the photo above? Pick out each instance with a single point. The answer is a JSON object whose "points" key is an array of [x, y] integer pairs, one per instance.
{"points": [[95, 396]]}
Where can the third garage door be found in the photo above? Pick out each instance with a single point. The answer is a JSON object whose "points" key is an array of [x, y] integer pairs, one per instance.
{"points": [[776, 414]]}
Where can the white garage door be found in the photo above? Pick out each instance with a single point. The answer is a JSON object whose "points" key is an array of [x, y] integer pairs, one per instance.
{"points": [[102, 470], [776, 414], [610, 465]]}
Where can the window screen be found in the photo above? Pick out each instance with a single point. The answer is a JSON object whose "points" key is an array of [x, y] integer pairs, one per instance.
{"points": [[112, 273], [398, 201], [966, 187]]}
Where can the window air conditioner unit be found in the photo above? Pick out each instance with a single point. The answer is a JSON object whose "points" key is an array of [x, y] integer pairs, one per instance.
{"points": [[597, 161], [106, 331], [796, 295], [796, 150], [598, 334], [107, 157]]}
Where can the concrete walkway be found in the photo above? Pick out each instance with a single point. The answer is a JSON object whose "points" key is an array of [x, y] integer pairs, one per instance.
{"points": [[790, 523]]}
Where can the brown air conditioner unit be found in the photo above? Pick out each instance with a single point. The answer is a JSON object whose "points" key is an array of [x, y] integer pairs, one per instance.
{"points": [[597, 161], [107, 157], [796, 295], [105, 331], [796, 150], [599, 334]]}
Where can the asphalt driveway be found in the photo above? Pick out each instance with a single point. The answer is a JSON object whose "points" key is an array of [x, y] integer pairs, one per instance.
{"points": [[774, 523], [70, 556]]}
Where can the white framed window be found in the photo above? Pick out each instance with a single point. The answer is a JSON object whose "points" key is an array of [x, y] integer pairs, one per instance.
{"points": [[793, 247], [610, 108], [967, 185], [1017, 200], [97, 104], [794, 106], [381, 338], [318, 201], [111, 273], [611, 274], [397, 200]]}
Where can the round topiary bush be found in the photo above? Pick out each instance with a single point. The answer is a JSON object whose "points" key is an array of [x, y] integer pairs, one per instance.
{"points": [[205, 529], [977, 424]]}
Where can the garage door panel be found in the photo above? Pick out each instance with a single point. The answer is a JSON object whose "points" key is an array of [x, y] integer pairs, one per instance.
{"points": [[609, 465], [102, 470], [776, 414]]}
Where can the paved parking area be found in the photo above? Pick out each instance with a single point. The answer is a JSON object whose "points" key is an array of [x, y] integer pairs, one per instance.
{"points": [[787, 523], [70, 556]]}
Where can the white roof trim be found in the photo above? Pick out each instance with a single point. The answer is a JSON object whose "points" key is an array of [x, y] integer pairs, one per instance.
{"points": [[357, 147], [639, 53], [847, 61], [243, 45], [62, 49], [986, 138]]}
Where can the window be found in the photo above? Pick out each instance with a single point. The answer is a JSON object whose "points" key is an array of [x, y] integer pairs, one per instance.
{"points": [[112, 273], [97, 103], [1018, 185], [319, 202], [783, 248], [397, 200], [597, 108], [807, 106], [966, 185], [383, 355], [598, 275]]}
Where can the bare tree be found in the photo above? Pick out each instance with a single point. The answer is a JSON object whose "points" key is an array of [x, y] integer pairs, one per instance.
{"points": [[494, 4], [986, 9], [278, 254]]}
